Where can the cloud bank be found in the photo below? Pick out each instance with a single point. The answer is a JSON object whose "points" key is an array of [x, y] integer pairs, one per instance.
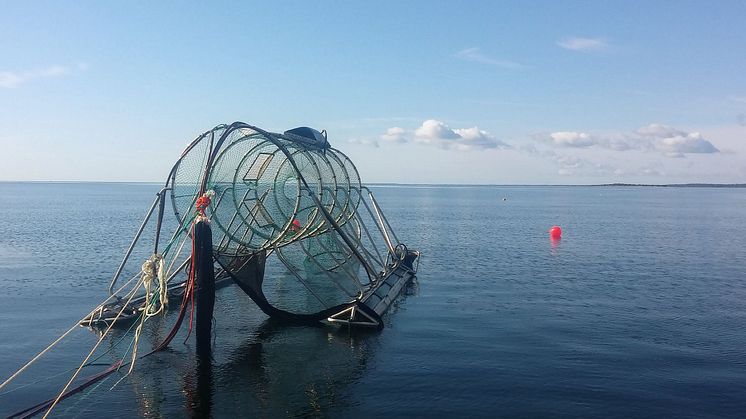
{"points": [[652, 150], [663, 139], [667, 140]]}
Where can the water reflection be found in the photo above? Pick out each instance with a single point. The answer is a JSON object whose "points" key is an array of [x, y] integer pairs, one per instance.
{"points": [[291, 370], [554, 246], [277, 370], [199, 389]]}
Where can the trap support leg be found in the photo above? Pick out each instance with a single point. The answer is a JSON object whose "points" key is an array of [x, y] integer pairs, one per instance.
{"points": [[205, 279]]}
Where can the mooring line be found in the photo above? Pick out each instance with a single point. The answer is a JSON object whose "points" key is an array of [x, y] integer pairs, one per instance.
{"points": [[33, 410], [90, 364], [51, 345], [101, 339]]}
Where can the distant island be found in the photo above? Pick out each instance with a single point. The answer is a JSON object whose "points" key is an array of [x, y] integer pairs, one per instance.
{"points": [[667, 185], [681, 185]]}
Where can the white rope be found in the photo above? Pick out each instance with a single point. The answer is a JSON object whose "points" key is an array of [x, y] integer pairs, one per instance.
{"points": [[162, 282], [155, 264], [134, 352], [153, 268]]}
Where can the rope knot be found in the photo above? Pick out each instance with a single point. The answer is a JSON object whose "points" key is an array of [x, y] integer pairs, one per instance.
{"points": [[150, 267], [154, 268]]}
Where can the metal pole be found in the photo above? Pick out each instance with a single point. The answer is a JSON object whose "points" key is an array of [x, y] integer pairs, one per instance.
{"points": [[380, 220], [161, 204], [132, 245]]}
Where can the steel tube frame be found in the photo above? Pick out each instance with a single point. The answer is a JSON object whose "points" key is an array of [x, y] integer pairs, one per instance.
{"points": [[134, 242]]}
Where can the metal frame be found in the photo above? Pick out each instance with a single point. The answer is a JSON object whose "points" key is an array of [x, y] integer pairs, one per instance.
{"points": [[348, 230]]}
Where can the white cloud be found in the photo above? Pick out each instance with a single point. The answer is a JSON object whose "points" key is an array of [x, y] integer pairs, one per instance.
{"points": [[674, 142], [437, 133], [650, 154], [395, 135], [475, 138], [659, 130], [691, 143], [654, 137], [12, 79], [434, 130], [476, 55], [583, 44], [571, 139]]}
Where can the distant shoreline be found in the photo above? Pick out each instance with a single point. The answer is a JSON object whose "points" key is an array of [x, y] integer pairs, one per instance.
{"points": [[668, 185], [439, 185], [680, 185]]}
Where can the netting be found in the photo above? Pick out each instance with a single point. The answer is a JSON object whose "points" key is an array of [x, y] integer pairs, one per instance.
{"points": [[277, 194], [263, 186]]}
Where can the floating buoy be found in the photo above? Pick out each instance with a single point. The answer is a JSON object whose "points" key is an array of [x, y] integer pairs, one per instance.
{"points": [[555, 232]]}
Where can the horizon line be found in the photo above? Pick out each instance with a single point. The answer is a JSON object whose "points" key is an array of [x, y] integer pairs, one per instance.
{"points": [[618, 184]]}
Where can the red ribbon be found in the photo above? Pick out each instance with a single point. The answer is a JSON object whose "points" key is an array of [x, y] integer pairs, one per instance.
{"points": [[202, 203]]}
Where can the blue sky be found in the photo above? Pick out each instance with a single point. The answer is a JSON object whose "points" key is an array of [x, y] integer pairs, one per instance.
{"points": [[413, 92]]}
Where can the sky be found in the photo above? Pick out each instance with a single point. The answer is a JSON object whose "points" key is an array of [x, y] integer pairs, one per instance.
{"points": [[414, 92]]}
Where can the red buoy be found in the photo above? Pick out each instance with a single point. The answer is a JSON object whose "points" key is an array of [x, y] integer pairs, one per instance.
{"points": [[555, 232]]}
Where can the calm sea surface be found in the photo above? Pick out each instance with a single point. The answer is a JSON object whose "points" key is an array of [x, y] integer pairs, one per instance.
{"points": [[639, 311]]}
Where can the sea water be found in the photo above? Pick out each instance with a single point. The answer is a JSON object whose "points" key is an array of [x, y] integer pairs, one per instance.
{"points": [[638, 311]]}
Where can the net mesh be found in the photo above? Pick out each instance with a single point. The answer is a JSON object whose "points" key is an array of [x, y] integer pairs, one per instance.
{"points": [[274, 193]]}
